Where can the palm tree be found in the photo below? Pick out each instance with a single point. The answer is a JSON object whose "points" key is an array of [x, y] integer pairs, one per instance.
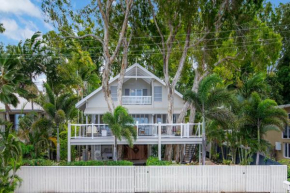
{"points": [[10, 157], [59, 108], [211, 101], [121, 125], [262, 116], [10, 78]]}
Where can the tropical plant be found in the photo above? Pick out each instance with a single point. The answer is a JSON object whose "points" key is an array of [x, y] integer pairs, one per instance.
{"points": [[59, 108], [10, 78], [262, 116], [121, 125], [10, 159], [211, 101]]}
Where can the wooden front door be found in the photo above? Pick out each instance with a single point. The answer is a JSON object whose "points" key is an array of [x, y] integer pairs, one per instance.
{"points": [[138, 152]]}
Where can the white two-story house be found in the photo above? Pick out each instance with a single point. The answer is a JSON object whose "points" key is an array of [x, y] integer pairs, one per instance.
{"points": [[145, 97]]}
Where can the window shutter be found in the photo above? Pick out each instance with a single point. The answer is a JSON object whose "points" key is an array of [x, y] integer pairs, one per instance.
{"points": [[114, 93], [157, 93]]}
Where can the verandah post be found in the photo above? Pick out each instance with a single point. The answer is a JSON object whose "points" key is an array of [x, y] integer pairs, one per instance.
{"points": [[159, 140], [68, 143]]}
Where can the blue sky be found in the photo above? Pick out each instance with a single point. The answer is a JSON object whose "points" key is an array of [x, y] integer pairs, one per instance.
{"points": [[22, 18]]}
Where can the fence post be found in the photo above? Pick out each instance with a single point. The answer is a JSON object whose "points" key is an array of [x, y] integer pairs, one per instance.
{"points": [[159, 140], [68, 143], [137, 125], [92, 131], [187, 129]]}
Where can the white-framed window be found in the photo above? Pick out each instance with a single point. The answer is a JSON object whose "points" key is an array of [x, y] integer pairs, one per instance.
{"points": [[135, 92], [114, 93], [157, 93], [287, 150]]}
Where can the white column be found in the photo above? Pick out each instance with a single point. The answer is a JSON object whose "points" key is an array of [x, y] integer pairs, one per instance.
{"points": [[159, 141], [68, 143], [99, 120], [152, 93]]}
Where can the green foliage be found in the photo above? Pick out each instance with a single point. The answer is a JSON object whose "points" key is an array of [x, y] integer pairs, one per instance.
{"points": [[154, 161], [2, 29], [287, 163], [99, 163], [121, 125], [38, 162], [10, 159]]}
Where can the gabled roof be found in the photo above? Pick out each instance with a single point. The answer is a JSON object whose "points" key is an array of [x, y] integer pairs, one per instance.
{"points": [[136, 70], [22, 106]]}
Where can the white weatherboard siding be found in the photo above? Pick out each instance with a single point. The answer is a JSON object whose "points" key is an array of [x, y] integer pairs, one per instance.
{"points": [[98, 105], [153, 179]]}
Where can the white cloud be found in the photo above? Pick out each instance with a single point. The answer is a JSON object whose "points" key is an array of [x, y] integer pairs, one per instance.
{"points": [[20, 7], [13, 31]]}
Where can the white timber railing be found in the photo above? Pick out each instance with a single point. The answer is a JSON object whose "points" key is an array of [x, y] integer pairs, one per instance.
{"points": [[136, 100], [174, 130], [161, 179]]}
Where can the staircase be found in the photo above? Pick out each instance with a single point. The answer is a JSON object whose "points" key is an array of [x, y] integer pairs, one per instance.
{"points": [[190, 151]]}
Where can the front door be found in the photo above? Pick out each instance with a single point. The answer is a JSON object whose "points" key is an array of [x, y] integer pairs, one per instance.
{"points": [[138, 152]]}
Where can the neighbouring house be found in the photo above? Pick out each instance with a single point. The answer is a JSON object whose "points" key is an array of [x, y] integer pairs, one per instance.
{"points": [[145, 97], [22, 108], [280, 140]]}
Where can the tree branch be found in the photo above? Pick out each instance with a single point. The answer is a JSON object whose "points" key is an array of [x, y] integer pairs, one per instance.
{"points": [[124, 27], [87, 35]]}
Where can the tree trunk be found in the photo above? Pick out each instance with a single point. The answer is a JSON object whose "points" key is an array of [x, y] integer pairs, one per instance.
{"points": [[32, 105], [203, 141], [123, 69], [258, 152], [177, 153], [168, 148], [58, 146], [120, 152], [115, 150], [197, 79], [7, 109], [106, 87]]}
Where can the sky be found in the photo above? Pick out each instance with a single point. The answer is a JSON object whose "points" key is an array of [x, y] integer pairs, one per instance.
{"points": [[22, 18]]}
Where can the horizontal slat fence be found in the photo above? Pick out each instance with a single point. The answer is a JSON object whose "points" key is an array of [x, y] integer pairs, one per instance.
{"points": [[153, 179]]}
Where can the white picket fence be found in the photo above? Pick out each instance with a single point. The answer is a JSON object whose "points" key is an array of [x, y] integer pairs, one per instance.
{"points": [[153, 179]]}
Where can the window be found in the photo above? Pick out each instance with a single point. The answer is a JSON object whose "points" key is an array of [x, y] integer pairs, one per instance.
{"points": [[157, 93], [145, 92], [114, 93], [286, 133], [287, 150], [127, 92]]}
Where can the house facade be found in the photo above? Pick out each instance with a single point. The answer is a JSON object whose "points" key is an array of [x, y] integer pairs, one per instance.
{"points": [[280, 140], [145, 97], [23, 107]]}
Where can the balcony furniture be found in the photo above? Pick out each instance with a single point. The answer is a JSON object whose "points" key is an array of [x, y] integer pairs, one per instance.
{"points": [[89, 131], [104, 133]]}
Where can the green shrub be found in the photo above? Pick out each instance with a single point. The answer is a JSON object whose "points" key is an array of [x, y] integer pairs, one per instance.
{"points": [[286, 162], [154, 161], [38, 162], [98, 163]]}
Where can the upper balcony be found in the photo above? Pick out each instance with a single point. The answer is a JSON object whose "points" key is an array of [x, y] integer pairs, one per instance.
{"points": [[101, 134], [136, 100]]}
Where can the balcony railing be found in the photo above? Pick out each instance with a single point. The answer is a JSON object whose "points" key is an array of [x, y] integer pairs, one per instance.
{"points": [[136, 100], [164, 130]]}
